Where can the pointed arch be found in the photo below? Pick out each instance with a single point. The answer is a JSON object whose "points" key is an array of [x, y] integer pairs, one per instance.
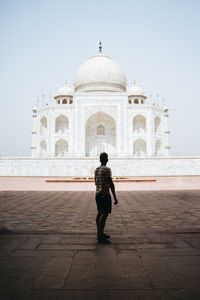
{"points": [[139, 124], [43, 148], [61, 148], [157, 123], [62, 124], [157, 147], [100, 131], [136, 101], [43, 125], [139, 148]]}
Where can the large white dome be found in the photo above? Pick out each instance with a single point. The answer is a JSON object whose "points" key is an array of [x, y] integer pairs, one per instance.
{"points": [[100, 73]]}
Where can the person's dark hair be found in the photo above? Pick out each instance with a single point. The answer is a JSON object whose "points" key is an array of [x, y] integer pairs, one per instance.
{"points": [[103, 157]]}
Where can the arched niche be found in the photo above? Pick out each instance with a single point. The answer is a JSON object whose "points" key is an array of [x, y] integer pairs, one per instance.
{"points": [[157, 147], [62, 124], [61, 148], [43, 148], [43, 125], [157, 122], [100, 135], [100, 130], [139, 148], [139, 124]]}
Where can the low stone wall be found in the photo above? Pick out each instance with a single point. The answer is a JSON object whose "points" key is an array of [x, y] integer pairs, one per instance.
{"points": [[85, 167]]}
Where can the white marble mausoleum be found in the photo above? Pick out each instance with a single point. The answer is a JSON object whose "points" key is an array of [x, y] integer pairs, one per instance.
{"points": [[100, 113]]}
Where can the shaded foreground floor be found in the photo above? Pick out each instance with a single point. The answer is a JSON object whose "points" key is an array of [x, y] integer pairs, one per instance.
{"points": [[48, 246]]}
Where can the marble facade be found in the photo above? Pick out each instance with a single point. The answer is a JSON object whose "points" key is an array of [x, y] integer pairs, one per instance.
{"points": [[100, 113]]}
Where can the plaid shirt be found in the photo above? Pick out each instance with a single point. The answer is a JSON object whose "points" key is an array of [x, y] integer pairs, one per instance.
{"points": [[102, 174]]}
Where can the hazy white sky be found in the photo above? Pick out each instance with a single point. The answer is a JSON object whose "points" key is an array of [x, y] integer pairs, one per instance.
{"points": [[43, 42]]}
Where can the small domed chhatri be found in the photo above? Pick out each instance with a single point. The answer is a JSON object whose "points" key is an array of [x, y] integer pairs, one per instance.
{"points": [[135, 90], [65, 90], [100, 73], [99, 114], [136, 94], [64, 95]]}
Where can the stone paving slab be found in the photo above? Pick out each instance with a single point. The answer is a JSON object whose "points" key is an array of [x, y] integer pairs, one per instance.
{"points": [[48, 246], [74, 212]]}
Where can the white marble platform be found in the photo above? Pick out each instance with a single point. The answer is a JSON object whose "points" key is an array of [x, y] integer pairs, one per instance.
{"points": [[73, 166]]}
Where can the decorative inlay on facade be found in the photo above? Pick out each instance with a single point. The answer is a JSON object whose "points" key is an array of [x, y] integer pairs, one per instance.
{"points": [[110, 110]]}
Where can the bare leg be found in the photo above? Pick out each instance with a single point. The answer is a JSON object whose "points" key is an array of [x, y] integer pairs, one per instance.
{"points": [[101, 224], [97, 222]]}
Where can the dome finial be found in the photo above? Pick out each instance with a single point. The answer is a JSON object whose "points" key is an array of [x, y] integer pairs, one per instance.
{"points": [[65, 82], [100, 47], [134, 82]]}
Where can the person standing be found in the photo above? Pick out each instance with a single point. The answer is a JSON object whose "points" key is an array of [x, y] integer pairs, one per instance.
{"points": [[104, 183]]}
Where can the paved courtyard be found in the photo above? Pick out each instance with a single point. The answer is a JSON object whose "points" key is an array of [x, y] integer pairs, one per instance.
{"points": [[48, 246]]}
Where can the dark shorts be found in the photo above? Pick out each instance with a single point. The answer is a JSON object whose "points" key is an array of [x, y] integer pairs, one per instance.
{"points": [[104, 203]]}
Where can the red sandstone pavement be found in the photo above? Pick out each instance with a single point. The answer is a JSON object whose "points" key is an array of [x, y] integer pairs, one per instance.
{"points": [[17, 183], [48, 246]]}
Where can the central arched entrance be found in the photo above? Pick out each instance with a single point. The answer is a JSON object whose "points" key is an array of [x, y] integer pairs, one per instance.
{"points": [[100, 135]]}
